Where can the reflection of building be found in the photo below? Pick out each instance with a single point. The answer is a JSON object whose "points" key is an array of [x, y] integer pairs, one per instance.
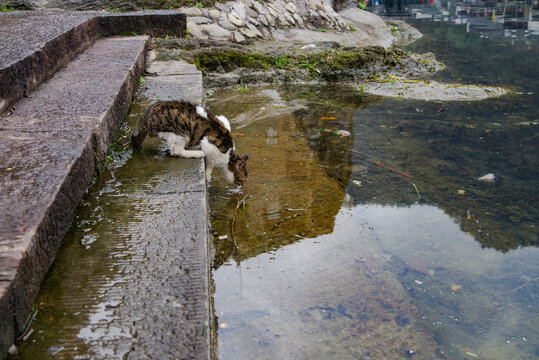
{"points": [[491, 18]]}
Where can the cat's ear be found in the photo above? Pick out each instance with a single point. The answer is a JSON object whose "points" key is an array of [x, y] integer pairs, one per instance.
{"points": [[240, 165], [245, 157]]}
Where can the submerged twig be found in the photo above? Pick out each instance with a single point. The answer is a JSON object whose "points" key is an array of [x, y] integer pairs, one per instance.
{"points": [[240, 201], [524, 285], [378, 163], [285, 219]]}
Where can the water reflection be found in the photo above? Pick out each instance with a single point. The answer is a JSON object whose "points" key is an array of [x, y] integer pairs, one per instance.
{"points": [[491, 18], [375, 244]]}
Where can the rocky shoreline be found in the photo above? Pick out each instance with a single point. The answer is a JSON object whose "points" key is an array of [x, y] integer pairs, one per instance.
{"points": [[248, 42]]}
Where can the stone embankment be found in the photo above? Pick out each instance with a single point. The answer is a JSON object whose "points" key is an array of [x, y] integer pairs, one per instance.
{"points": [[247, 20]]}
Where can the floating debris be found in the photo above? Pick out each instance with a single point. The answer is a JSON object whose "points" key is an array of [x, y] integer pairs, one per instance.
{"points": [[487, 178], [455, 287], [343, 133]]}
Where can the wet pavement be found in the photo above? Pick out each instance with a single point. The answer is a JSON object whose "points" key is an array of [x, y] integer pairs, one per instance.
{"points": [[140, 238]]}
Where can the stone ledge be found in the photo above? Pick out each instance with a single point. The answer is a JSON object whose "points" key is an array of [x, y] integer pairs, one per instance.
{"points": [[50, 145], [36, 44]]}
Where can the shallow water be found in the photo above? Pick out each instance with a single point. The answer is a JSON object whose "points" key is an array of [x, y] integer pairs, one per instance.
{"points": [[380, 244], [384, 243]]}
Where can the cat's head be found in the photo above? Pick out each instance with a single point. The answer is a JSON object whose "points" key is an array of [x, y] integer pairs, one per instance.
{"points": [[238, 166]]}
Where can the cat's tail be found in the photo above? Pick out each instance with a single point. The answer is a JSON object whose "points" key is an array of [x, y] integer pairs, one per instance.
{"points": [[138, 136]]}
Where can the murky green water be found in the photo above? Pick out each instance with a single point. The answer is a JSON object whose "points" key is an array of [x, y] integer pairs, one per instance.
{"points": [[382, 244]]}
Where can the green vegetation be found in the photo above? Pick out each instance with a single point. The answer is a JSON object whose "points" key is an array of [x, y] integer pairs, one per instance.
{"points": [[5, 8], [242, 88], [362, 5]]}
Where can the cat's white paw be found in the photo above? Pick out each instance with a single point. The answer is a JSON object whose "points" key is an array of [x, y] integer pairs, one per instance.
{"points": [[197, 154]]}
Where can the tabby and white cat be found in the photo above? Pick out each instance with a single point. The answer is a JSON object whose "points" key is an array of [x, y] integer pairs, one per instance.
{"points": [[186, 126]]}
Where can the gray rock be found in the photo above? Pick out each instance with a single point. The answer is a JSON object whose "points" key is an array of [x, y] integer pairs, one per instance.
{"points": [[215, 31], [251, 13], [271, 19], [191, 11], [311, 5], [235, 19], [199, 20], [277, 6], [259, 8], [273, 12], [298, 19], [222, 7], [291, 7], [239, 9], [323, 15], [262, 19], [195, 30], [251, 33], [254, 21], [223, 22], [238, 38], [266, 34], [214, 14], [282, 20], [289, 19]]}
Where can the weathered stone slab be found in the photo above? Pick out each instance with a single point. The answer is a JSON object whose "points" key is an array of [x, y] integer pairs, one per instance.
{"points": [[49, 146], [36, 44], [173, 80]]}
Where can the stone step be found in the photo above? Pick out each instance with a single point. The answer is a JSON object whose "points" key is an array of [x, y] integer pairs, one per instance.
{"points": [[36, 44], [49, 147]]}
